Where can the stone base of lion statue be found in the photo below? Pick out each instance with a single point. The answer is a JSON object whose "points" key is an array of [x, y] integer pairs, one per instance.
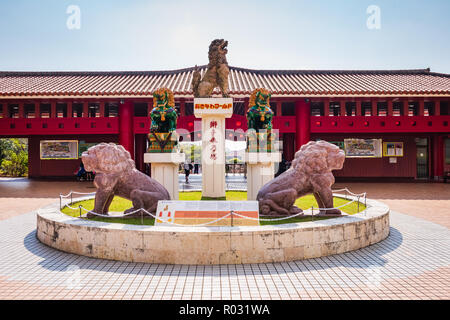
{"points": [[310, 172], [260, 170], [164, 169], [116, 174]]}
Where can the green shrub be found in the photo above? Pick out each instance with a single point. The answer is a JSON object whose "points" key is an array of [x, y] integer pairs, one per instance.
{"points": [[14, 157]]}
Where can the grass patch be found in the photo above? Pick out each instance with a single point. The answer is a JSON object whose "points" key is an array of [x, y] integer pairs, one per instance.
{"points": [[120, 204]]}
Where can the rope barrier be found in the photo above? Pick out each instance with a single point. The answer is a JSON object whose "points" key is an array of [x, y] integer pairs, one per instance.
{"points": [[75, 192], [214, 221]]}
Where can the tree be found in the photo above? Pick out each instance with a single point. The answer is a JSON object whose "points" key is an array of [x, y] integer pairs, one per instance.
{"points": [[14, 157]]}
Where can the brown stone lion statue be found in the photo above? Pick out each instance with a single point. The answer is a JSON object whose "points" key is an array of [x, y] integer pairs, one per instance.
{"points": [[217, 73], [116, 174], [310, 172]]}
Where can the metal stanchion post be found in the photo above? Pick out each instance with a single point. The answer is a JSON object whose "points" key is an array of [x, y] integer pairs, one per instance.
{"points": [[312, 213], [358, 205], [60, 200], [80, 210], [231, 217], [71, 201], [142, 217]]}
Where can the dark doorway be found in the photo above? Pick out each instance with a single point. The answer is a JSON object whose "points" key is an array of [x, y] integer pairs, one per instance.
{"points": [[422, 158]]}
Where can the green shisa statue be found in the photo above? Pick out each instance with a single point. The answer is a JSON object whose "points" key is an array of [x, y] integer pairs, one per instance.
{"points": [[259, 114], [164, 116], [259, 119]]}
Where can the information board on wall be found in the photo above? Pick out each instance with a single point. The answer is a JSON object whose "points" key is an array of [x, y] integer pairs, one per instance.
{"points": [[363, 148], [393, 149], [59, 149]]}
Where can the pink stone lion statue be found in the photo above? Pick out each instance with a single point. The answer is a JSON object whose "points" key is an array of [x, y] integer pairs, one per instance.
{"points": [[310, 173], [116, 174]]}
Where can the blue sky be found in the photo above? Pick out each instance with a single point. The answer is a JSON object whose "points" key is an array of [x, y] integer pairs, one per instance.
{"points": [[163, 35]]}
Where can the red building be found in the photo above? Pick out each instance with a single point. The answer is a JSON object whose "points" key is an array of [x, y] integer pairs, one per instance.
{"points": [[407, 110]]}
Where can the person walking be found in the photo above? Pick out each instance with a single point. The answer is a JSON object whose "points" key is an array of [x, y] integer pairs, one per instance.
{"points": [[81, 174], [187, 171]]}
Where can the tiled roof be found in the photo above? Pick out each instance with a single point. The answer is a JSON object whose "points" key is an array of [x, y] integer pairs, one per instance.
{"points": [[241, 82]]}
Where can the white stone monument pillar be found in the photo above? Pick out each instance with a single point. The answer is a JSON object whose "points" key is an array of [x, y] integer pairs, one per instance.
{"points": [[213, 112], [164, 169], [260, 170]]}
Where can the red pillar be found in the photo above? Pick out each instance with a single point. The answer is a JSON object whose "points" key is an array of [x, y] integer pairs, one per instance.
{"points": [[303, 122], [374, 111], [342, 107], [69, 109], [358, 108], [21, 109], [278, 108], [390, 107], [421, 107], [326, 107], [53, 110], [438, 157], [102, 109], [126, 134], [85, 110], [405, 107], [182, 108], [5, 109], [437, 108], [34, 157], [140, 145]]}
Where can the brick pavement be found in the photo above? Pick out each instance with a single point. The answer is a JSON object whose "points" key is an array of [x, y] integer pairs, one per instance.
{"points": [[412, 263]]}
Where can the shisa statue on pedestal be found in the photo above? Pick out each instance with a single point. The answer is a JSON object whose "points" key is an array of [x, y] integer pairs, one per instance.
{"points": [[259, 119], [162, 152], [116, 174], [260, 155], [213, 119], [310, 173], [217, 73], [162, 136]]}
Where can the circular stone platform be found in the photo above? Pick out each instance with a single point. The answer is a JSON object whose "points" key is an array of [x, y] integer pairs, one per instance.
{"points": [[212, 245]]}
